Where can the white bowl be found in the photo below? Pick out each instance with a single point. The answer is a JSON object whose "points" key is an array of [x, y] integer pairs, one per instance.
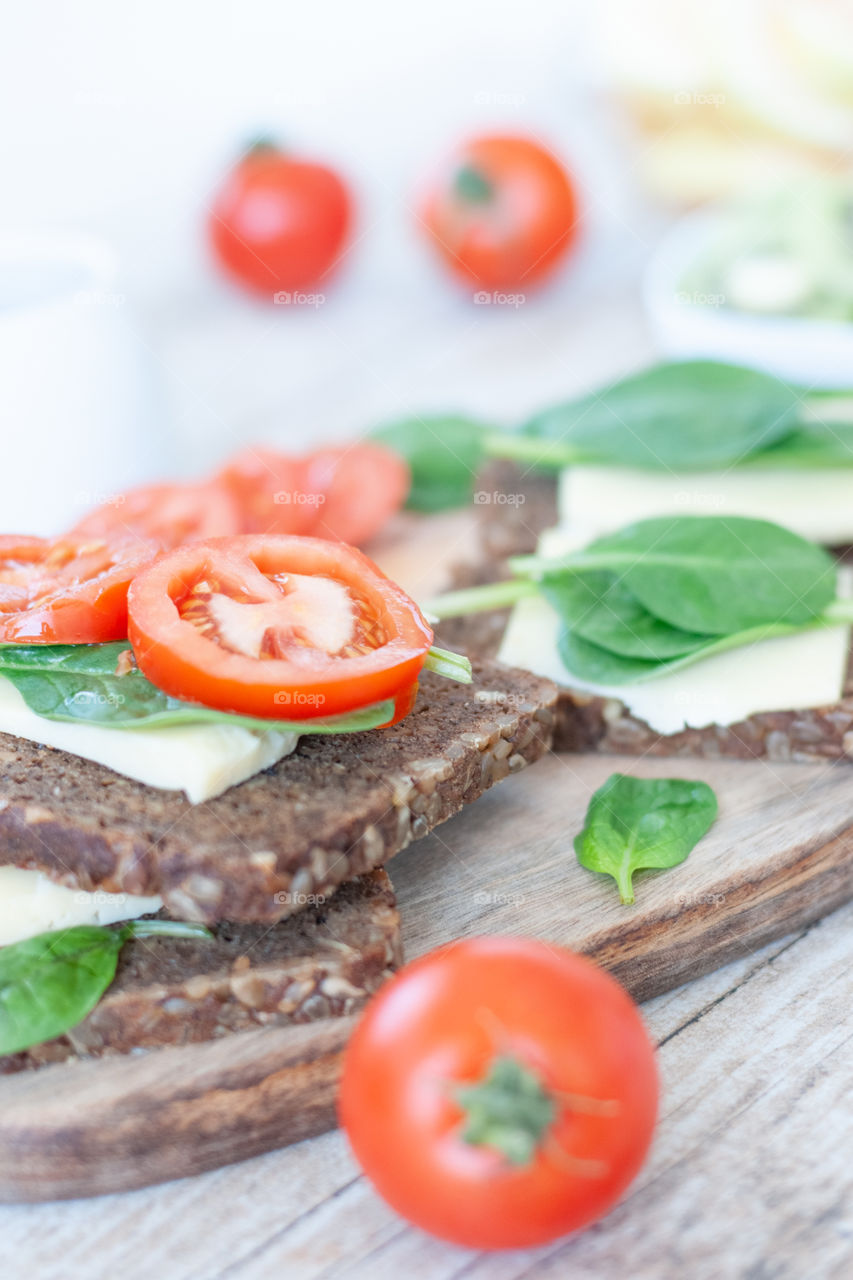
{"points": [[810, 353]]}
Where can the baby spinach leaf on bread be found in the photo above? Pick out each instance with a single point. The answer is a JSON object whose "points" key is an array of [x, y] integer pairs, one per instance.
{"points": [[600, 608], [77, 683], [51, 982], [676, 416], [635, 824]]}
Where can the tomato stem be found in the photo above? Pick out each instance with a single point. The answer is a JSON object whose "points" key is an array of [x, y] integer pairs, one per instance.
{"points": [[471, 185], [509, 1109]]}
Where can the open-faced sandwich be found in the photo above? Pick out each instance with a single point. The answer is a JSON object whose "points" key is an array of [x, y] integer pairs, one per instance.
{"points": [[206, 753], [671, 580]]}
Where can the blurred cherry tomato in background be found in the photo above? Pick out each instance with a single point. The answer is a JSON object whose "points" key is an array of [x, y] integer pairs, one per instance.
{"points": [[503, 214], [279, 223]]}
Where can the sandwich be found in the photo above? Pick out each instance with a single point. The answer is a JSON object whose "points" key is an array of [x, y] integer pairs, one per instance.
{"points": [[208, 752], [707, 452]]}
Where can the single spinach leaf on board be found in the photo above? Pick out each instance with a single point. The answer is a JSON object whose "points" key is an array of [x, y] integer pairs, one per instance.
{"points": [[718, 575], [678, 416], [51, 982], [635, 824], [444, 454], [600, 608]]}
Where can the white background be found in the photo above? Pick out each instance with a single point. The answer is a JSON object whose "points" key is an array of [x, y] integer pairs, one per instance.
{"points": [[120, 120]]}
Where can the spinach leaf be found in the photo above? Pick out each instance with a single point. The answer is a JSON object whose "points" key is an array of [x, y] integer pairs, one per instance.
{"points": [[588, 661], [633, 824], [679, 416], [50, 983], [717, 575], [600, 608], [811, 446], [444, 454]]}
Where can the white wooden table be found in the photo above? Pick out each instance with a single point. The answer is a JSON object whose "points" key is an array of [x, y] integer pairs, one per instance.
{"points": [[751, 1173]]}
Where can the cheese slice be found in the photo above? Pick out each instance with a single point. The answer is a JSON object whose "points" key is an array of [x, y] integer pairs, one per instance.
{"points": [[202, 760], [818, 505], [790, 672], [31, 904]]}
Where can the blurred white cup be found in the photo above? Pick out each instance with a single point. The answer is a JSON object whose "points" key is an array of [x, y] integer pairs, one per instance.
{"points": [[80, 412]]}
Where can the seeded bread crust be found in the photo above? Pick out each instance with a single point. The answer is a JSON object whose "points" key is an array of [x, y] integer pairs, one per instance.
{"points": [[588, 723], [338, 807], [324, 962]]}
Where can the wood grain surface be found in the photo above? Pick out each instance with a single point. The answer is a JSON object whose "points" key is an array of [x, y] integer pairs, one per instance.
{"points": [[779, 856]]}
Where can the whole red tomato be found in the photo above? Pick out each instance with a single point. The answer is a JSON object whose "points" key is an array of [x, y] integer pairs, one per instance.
{"points": [[503, 213], [279, 223], [500, 1092]]}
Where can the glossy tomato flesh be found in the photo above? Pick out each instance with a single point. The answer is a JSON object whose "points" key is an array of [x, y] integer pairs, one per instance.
{"points": [[275, 626], [503, 214], [440, 1024], [68, 590]]}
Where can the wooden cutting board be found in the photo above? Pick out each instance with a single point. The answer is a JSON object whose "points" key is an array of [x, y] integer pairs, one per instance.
{"points": [[779, 856]]}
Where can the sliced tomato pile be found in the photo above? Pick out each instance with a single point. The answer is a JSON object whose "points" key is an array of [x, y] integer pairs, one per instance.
{"points": [[70, 590], [169, 514], [346, 494], [276, 626]]}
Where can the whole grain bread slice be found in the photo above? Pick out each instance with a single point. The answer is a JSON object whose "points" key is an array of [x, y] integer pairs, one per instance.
{"points": [[338, 807], [324, 962], [589, 723]]}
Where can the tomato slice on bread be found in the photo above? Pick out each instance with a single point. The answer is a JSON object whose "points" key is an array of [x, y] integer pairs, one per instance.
{"points": [[170, 514], [275, 626], [271, 492], [360, 486], [69, 590]]}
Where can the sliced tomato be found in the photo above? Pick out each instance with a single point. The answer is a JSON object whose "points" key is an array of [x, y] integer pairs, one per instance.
{"points": [[275, 626], [271, 491], [170, 514], [67, 590], [361, 487]]}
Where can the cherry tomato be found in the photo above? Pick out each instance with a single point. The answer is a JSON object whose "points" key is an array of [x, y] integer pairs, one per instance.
{"points": [[170, 514], [360, 485], [271, 492], [275, 626], [500, 1092], [67, 590], [279, 223], [503, 214]]}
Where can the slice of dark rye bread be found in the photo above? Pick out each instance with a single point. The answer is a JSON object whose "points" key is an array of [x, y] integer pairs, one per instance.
{"points": [[336, 808], [322, 963], [589, 723]]}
